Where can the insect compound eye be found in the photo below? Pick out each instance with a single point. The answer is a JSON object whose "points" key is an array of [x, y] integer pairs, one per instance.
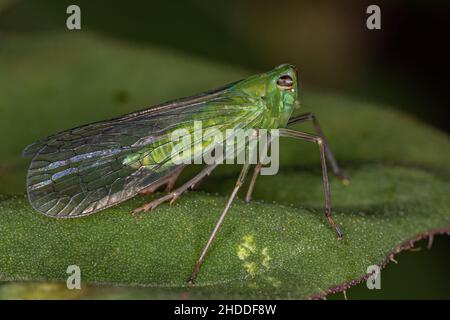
{"points": [[285, 82]]}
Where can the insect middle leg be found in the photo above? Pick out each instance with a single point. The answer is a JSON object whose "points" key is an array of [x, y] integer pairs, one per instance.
{"points": [[251, 186], [326, 186], [330, 156], [172, 196], [239, 183]]}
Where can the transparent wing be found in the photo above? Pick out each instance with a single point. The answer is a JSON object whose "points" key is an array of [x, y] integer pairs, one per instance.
{"points": [[81, 171]]}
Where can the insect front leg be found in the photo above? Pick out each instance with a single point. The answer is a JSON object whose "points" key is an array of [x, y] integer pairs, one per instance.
{"points": [[326, 186], [331, 158], [172, 196], [251, 186], [239, 183]]}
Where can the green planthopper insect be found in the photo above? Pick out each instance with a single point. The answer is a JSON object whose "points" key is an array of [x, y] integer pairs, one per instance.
{"points": [[83, 170]]}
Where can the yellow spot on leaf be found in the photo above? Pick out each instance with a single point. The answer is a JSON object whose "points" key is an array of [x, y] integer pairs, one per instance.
{"points": [[242, 253], [266, 257], [249, 243], [250, 267]]}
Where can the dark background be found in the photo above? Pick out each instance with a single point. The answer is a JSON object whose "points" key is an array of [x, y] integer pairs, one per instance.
{"points": [[405, 65]]}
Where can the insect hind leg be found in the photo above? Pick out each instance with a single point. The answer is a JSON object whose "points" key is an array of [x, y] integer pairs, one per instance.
{"points": [[173, 195], [168, 180]]}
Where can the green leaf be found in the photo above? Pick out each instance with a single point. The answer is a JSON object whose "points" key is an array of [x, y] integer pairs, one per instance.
{"points": [[279, 246]]}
